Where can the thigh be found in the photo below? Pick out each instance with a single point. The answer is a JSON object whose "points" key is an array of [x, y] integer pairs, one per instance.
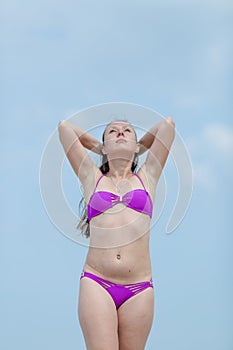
{"points": [[135, 319], [97, 316]]}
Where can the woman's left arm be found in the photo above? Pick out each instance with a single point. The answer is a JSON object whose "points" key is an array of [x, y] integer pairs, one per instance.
{"points": [[159, 141], [146, 141]]}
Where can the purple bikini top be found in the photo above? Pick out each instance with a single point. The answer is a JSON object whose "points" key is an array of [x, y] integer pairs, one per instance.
{"points": [[101, 201]]}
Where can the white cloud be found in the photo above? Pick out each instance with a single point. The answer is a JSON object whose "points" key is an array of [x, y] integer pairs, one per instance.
{"points": [[215, 138], [204, 176], [210, 151], [220, 137]]}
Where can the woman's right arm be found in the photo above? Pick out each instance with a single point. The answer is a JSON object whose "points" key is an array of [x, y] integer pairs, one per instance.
{"points": [[73, 140], [87, 140]]}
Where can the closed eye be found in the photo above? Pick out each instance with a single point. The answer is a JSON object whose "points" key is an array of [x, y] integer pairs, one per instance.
{"points": [[114, 130]]}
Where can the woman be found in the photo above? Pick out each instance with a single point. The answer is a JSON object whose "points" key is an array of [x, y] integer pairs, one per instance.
{"points": [[116, 298]]}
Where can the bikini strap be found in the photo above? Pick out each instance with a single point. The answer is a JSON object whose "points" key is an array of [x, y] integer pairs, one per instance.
{"points": [[140, 181], [98, 182]]}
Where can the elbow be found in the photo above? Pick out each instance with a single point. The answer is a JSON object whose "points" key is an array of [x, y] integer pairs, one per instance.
{"points": [[61, 129], [170, 121], [167, 125], [61, 123], [166, 131]]}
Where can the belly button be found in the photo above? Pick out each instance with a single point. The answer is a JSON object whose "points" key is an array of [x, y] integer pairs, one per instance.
{"points": [[118, 256]]}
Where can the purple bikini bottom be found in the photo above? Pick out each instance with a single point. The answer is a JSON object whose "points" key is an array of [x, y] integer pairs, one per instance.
{"points": [[119, 292]]}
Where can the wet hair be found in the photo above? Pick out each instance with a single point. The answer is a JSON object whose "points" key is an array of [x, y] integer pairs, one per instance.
{"points": [[83, 224]]}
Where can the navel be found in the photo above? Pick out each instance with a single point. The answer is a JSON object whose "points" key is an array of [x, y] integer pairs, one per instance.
{"points": [[118, 256]]}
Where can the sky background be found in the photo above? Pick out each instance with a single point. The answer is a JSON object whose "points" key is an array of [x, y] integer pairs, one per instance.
{"points": [[60, 57]]}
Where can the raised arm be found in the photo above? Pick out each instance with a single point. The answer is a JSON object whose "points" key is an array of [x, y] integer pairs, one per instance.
{"points": [[86, 139], [158, 140], [147, 140], [73, 140]]}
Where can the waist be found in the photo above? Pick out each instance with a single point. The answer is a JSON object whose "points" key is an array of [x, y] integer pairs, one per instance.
{"points": [[97, 278], [119, 278], [130, 261]]}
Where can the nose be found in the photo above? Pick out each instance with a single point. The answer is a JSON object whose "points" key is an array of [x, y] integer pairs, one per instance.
{"points": [[120, 132]]}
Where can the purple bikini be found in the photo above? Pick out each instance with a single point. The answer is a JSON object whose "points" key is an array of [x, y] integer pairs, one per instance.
{"points": [[119, 292], [101, 201]]}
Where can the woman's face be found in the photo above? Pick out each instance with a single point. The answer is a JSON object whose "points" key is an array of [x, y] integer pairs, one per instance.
{"points": [[120, 139]]}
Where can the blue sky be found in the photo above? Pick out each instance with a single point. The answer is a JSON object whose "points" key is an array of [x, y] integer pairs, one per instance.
{"points": [[60, 57]]}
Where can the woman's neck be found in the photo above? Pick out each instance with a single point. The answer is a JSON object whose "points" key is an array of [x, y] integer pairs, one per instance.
{"points": [[120, 170]]}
